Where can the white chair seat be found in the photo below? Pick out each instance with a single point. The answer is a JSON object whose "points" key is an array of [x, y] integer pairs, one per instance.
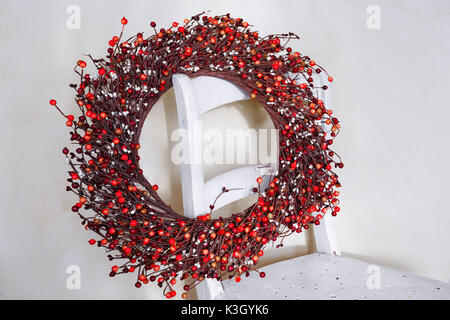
{"points": [[324, 276]]}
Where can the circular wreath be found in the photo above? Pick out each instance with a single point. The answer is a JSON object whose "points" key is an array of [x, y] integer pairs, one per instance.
{"points": [[136, 227]]}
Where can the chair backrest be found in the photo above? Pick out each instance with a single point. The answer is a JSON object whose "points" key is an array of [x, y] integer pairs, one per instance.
{"points": [[194, 97]]}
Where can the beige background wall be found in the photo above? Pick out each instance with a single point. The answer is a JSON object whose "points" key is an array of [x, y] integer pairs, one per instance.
{"points": [[390, 92]]}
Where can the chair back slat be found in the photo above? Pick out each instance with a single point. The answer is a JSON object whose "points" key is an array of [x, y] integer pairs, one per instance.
{"points": [[242, 181], [192, 178], [212, 92]]}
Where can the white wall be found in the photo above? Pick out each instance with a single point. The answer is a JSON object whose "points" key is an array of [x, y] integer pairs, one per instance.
{"points": [[390, 92]]}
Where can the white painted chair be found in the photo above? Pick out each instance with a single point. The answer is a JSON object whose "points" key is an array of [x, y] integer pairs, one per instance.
{"points": [[322, 275]]}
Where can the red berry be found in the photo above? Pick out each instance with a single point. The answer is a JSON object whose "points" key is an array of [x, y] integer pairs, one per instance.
{"points": [[124, 21], [52, 102], [81, 63], [170, 294]]}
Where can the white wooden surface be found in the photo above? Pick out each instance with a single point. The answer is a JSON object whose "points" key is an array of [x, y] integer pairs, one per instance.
{"points": [[324, 276]]}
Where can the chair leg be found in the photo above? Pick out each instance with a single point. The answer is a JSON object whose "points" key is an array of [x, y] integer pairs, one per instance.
{"points": [[325, 237], [209, 289]]}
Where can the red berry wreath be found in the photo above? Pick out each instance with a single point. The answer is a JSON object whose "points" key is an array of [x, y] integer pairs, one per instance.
{"points": [[135, 226]]}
